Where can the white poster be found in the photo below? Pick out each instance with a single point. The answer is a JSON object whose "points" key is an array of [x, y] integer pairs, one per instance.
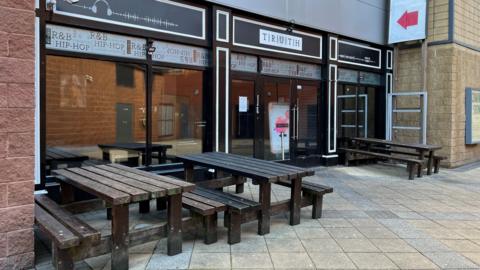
{"points": [[279, 125], [93, 42], [242, 104], [407, 20]]}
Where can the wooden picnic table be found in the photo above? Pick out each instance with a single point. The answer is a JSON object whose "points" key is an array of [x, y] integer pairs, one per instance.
{"points": [[160, 149], [261, 172], [421, 149], [55, 156], [120, 186]]}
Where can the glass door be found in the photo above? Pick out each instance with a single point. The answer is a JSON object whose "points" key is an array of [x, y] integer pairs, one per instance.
{"points": [[276, 104], [305, 120], [356, 112], [243, 115]]}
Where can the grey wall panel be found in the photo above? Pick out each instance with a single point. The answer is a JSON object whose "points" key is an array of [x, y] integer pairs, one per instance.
{"points": [[362, 19]]}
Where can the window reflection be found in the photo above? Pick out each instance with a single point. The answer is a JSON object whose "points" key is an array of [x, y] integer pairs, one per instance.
{"points": [[88, 105], [177, 113]]}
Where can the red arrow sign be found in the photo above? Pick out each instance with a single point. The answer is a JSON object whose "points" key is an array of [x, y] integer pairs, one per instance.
{"points": [[408, 19]]}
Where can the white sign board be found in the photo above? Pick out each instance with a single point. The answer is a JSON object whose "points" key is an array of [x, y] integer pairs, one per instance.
{"points": [[279, 121], [280, 40], [93, 42], [407, 20], [242, 104]]}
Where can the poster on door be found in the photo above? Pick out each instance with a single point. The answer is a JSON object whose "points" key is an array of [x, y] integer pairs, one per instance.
{"points": [[279, 127]]}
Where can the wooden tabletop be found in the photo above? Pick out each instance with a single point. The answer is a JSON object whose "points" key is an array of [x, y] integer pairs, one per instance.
{"points": [[426, 147], [135, 146], [54, 153], [118, 184], [257, 169]]}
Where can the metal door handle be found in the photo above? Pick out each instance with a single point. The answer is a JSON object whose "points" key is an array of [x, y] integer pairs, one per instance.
{"points": [[257, 107], [296, 120], [294, 110]]}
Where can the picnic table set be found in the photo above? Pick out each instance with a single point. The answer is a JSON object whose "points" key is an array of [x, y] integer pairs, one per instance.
{"points": [[116, 187]]}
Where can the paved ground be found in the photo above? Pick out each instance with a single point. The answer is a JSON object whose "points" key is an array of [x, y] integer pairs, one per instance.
{"points": [[375, 219]]}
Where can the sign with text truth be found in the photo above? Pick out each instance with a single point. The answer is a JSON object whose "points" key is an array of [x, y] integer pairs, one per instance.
{"points": [[407, 20]]}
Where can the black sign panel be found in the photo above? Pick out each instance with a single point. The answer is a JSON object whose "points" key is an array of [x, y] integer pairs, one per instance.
{"points": [[256, 35], [359, 55], [156, 15]]}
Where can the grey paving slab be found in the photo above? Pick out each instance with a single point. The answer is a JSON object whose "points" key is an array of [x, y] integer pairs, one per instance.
{"points": [[251, 260], [377, 232], [451, 260], [332, 261], [321, 245], [292, 261], [210, 261], [411, 261], [163, 261], [339, 233], [312, 232], [428, 245], [372, 261], [254, 244], [357, 245], [392, 245], [285, 245], [462, 245], [334, 223]]}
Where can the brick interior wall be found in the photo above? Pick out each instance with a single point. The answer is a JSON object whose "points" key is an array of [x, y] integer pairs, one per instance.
{"points": [[82, 95], [16, 133]]}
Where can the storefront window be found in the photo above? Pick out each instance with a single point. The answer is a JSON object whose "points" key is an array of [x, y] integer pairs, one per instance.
{"points": [[94, 108], [177, 113]]}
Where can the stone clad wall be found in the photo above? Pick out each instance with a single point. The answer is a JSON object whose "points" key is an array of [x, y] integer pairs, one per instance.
{"points": [[467, 22], [438, 20], [17, 105]]}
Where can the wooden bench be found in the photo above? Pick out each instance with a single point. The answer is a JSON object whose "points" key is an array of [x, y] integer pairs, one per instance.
{"points": [[412, 164], [207, 210], [436, 159], [66, 232], [236, 207], [312, 194]]}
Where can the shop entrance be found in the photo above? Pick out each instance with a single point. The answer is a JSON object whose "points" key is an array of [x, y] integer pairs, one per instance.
{"points": [[357, 112], [274, 118]]}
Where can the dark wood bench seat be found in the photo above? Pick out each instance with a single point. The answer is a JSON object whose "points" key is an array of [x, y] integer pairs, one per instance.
{"points": [[205, 209], [236, 207], [412, 164], [64, 230], [312, 194], [436, 159]]}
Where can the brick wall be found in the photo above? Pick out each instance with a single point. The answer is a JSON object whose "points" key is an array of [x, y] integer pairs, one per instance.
{"points": [[16, 133]]}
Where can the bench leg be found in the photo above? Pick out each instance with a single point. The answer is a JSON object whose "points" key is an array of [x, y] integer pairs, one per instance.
{"points": [[264, 214], [411, 171], [161, 204], [234, 228], [210, 229], [67, 193], [174, 227], [226, 220], [419, 171], [436, 163], [295, 201], [144, 207], [239, 188], [120, 237], [109, 213], [317, 205], [61, 259]]}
